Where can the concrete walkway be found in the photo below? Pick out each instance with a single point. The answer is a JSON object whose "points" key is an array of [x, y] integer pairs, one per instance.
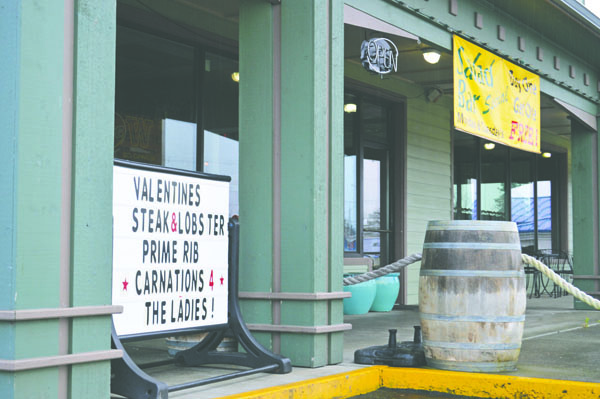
{"points": [[558, 343]]}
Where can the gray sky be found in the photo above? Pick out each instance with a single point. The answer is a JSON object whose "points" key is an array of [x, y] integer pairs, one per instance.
{"points": [[593, 6]]}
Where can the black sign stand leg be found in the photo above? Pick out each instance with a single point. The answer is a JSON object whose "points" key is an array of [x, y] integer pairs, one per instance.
{"points": [[255, 354], [132, 382], [128, 380]]}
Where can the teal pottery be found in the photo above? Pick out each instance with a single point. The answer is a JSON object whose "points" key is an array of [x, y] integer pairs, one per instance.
{"points": [[362, 298], [386, 293]]}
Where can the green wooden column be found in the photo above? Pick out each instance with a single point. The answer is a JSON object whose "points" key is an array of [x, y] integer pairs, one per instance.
{"points": [[584, 147], [57, 96], [30, 182], [91, 203], [291, 176]]}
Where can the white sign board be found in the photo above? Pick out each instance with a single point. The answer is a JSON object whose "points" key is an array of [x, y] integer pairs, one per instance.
{"points": [[170, 251]]}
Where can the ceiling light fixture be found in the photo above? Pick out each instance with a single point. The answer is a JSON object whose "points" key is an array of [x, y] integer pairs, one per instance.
{"points": [[349, 108], [431, 55], [489, 146], [546, 155]]}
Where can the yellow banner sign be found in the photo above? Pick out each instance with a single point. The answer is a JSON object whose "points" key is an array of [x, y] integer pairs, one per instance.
{"points": [[495, 99]]}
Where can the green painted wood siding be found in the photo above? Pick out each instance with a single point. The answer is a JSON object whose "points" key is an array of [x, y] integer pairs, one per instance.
{"points": [[428, 176]]}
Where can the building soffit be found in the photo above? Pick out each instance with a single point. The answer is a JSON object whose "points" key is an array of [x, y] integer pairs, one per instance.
{"points": [[355, 17], [429, 25]]}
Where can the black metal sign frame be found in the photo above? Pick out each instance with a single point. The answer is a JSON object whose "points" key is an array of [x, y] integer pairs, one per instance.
{"points": [[130, 380]]}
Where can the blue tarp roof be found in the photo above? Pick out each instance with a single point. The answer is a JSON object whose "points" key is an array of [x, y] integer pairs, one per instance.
{"points": [[522, 213]]}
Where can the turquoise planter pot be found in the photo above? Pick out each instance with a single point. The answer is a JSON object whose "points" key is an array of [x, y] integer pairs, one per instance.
{"points": [[386, 294], [362, 298]]}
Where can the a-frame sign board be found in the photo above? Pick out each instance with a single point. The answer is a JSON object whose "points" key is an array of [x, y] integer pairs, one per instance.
{"points": [[173, 250]]}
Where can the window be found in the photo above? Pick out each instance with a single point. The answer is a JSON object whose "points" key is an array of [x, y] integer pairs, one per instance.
{"points": [[466, 159], [495, 182], [154, 85], [176, 105], [522, 192]]}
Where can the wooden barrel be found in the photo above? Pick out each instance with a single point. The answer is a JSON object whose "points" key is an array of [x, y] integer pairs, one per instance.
{"points": [[472, 295]]}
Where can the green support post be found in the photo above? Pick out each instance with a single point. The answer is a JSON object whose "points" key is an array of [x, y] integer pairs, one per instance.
{"points": [[93, 153], [57, 95], [256, 159], [291, 177], [31, 117], [585, 205]]}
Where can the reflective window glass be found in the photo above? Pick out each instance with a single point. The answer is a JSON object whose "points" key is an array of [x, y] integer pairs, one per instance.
{"points": [[220, 121], [493, 183], [514, 185], [522, 197], [371, 205], [350, 204], [154, 100], [465, 177], [546, 175], [168, 97]]}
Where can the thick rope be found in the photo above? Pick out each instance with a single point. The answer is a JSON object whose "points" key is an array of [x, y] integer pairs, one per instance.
{"points": [[399, 264], [562, 283], [382, 271]]}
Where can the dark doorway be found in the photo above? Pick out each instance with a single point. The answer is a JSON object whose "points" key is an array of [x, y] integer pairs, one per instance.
{"points": [[373, 217]]}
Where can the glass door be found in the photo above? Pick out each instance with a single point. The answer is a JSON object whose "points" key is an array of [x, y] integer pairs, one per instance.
{"points": [[369, 137], [376, 229]]}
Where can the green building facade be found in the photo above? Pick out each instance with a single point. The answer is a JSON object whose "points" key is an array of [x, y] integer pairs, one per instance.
{"points": [[329, 161]]}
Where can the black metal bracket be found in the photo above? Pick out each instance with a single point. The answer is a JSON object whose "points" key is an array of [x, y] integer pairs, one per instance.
{"points": [[129, 380]]}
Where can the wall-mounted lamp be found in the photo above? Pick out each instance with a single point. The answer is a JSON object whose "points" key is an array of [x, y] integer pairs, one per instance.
{"points": [[489, 146], [235, 76], [546, 155], [349, 108], [431, 55]]}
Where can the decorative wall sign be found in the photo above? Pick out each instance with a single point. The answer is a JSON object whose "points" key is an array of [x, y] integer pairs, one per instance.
{"points": [[495, 99], [379, 55], [170, 246]]}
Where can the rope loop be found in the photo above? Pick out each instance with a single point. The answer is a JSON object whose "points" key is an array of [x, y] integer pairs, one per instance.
{"points": [[402, 263], [562, 283], [382, 271]]}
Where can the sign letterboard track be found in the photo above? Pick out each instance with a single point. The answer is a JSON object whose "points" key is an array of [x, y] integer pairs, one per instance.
{"points": [[170, 246]]}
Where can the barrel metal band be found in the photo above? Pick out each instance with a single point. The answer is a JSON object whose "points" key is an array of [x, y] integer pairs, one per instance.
{"points": [[472, 273], [473, 245], [485, 226], [60, 360], [472, 345], [474, 319], [57, 313]]}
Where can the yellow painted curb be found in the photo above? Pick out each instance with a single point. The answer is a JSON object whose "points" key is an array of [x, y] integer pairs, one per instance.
{"points": [[485, 385], [476, 385], [335, 386]]}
